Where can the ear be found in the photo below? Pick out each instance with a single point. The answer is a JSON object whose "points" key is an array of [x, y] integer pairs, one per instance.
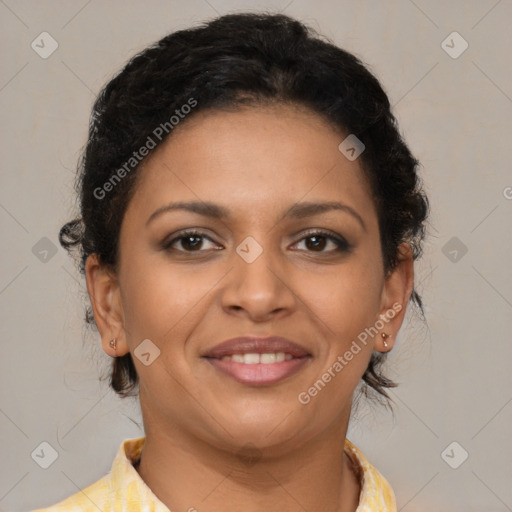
{"points": [[103, 288], [396, 293]]}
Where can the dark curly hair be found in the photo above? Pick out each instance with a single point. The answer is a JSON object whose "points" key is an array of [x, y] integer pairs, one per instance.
{"points": [[235, 60]]}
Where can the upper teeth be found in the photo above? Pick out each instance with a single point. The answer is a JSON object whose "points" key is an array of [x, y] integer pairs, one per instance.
{"points": [[252, 358]]}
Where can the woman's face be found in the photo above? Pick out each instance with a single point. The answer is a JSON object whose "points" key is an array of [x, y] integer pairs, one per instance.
{"points": [[262, 262]]}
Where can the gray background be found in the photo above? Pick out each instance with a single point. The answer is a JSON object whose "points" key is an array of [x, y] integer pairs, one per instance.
{"points": [[455, 114]]}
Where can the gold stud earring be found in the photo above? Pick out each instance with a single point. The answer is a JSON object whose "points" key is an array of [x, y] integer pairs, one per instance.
{"points": [[113, 343], [385, 337]]}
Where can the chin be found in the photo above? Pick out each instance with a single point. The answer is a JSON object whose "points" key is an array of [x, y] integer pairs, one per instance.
{"points": [[265, 425]]}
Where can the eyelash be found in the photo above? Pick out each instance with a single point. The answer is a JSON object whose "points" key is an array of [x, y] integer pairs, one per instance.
{"points": [[340, 242]]}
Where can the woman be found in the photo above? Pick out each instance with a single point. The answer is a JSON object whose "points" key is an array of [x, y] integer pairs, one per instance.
{"points": [[250, 217]]}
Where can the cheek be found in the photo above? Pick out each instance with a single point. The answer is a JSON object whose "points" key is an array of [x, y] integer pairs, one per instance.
{"points": [[342, 316], [159, 298], [346, 297], [346, 303]]}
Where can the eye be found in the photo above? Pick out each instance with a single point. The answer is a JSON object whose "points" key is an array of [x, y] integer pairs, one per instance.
{"points": [[318, 240], [190, 240], [315, 241]]}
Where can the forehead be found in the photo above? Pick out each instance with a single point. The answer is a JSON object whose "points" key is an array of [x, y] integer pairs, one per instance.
{"points": [[258, 157]]}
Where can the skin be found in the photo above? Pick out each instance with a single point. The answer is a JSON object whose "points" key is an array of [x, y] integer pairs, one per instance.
{"points": [[257, 162]]}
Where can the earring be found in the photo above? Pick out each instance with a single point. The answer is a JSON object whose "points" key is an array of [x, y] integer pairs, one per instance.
{"points": [[385, 337], [113, 343]]}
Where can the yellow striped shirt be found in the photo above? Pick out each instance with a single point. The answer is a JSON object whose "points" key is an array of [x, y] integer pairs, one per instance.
{"points": [[123, 490]]}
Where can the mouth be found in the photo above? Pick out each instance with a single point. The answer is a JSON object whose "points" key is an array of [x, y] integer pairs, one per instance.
{"points": [[258, 361]]}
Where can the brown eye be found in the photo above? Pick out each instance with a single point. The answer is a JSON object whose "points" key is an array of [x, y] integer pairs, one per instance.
{"points": [[318, 241], [190, 241]]}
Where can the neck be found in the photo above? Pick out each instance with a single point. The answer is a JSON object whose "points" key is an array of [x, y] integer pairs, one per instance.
{"points": [[186, 474]]}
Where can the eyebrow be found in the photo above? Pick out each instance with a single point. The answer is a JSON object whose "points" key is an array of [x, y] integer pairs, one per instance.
{"points": [[297, 211]]}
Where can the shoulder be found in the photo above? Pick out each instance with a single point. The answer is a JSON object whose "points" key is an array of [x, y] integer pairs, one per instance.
{"points": [[90, 499], [121, 489]]}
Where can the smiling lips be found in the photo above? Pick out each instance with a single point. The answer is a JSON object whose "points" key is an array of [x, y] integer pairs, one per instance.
{"points": [[258, 361]]}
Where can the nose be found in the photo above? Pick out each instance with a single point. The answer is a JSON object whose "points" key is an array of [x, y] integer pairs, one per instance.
{"points": [[259, 289]]}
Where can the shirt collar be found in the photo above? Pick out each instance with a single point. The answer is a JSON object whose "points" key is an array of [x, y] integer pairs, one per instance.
{"points": [[376, 493]]}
